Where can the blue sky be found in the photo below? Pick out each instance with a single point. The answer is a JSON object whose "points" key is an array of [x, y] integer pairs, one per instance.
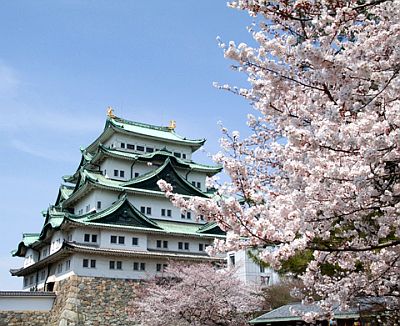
{"points": [[63, 62]]}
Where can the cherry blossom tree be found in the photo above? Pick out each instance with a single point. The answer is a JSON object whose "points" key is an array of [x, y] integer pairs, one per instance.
{"points": [[196, 294], [320, 171]]}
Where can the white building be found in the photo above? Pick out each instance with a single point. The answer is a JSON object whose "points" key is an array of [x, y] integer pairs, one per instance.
{"points": [[110, 218]]}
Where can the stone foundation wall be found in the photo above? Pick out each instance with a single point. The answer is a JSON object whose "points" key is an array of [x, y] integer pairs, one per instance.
{"points": [[81, 301], [92, 301], [24, 318]]}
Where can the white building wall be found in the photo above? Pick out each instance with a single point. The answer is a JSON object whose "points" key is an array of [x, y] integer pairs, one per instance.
{"points": [[249, 272], [26, 303], [116, 140], [31, 256]]}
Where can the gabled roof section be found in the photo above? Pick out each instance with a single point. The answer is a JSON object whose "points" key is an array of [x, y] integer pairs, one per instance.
{"points": [[168, 173], [144, 130], [211, 228], [27, 240], [63, 193], [122, 212]]}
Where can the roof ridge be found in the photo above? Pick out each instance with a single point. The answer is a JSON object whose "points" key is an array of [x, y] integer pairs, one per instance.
{"points": [[142, 124]]}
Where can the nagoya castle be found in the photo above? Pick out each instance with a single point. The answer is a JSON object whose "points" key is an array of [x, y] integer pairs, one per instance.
{"points": [[111, 220]]}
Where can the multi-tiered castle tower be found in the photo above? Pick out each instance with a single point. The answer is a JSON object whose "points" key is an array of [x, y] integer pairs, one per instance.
{"points": [[110, 218]]}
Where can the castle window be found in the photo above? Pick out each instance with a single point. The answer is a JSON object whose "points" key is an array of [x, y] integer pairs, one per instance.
{"points": [[98, 205], [264, 280], [94, 237], [262, 269], [149, 149], [186, 245], [140, 148], [112, 264], [201, 217], [42, 275], [67, 265], [201, 247], [31, 280], [113, 239], [161, 267], [198, 185], [136, 174], [86, 237], [135, 266], [232, 259], [188, 215], [85, 263], [130, 146], [142, 266], [158, 243], [135, 241], [122, 145], [176, 154], [87, 208], [122, 174], [44, 252], [25, 281], [142, 209], [116, 173], [169, 213], [162, 211], [180, 245], [119, 265], [148, 210], [194, 183], [165, 244], [121, 240], [92, 263], [184, 156], [59, 268]]}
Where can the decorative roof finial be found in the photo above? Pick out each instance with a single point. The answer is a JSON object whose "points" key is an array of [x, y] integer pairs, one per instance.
{"points": [[110, 112], [172, 125]]}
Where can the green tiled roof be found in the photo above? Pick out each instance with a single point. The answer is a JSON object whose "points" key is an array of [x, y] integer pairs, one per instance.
{"points": [[121, 212], [168, 173], [141, 129], [27, 240]]}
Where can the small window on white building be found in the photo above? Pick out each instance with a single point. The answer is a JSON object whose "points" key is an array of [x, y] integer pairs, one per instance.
{"points": [[135, 266], [262, 269], [116, 172], [136, 174], [98, 206], [85, 263], [130, 146], [142, 209], [87, 208], [59, 268], [201, 247], [169, 213], [176, 154], [25, 281], [94, 237], [122, 174], [161, 267], [149, 149], [186, 245], [86, 237], [184, 156], [180, 245], [112, 264], [165, 244], [163, 212], [135, 241], [122, 145], [68, 265], [140, 148], [31, 279], [92, 263], [148, 210], [264, 280], [232, 259], [142, 266], [42, 275], [121, 240], [198, 185]]}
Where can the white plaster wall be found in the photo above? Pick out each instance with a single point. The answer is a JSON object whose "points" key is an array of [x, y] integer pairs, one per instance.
{"points": [[24, 303], [173, 243], [31, 256], [103, 268], [117, 139], [198, 177], [57, 240], [106, 198], [248, 271], [105, 240]]}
